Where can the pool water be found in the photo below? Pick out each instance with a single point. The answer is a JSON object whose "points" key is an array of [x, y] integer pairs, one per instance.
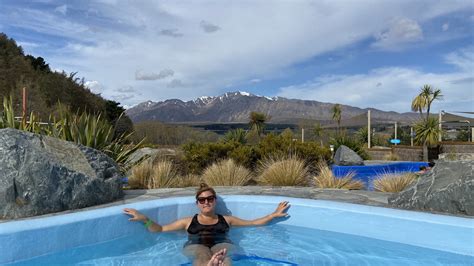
{"points": [[275, 244]]}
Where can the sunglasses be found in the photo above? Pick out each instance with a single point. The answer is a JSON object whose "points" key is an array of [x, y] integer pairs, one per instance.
{"points": [[209, 199]]}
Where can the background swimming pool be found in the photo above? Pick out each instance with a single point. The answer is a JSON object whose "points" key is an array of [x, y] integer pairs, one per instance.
{"points": [[367, 173], [318, 232]]}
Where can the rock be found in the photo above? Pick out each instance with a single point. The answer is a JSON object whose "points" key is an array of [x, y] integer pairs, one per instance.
{"points": [[447, 187], [145, 153], [40, 174], [346, 156]]}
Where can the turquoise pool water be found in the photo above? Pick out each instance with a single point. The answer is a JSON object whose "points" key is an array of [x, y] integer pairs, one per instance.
{"points": [[270, 245], [316, 233]]}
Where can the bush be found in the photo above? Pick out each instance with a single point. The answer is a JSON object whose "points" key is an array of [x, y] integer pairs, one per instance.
{"points": [[393, 182], [149, 175], [283, 172], [188, 181], [326, 179], [226, 173], [198, 156], [352, 143]]}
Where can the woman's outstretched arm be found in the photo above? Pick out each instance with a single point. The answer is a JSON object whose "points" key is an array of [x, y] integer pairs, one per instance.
{"points": [[153, 226], [279, 212]]}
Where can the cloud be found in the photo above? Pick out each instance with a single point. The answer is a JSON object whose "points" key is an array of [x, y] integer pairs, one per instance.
{"points": [[401, 32], [175, 83], [122, 97], [209, 27], [94, 86], [140, 75], [61, 9], [125, 89], [400, 85], [255, 80], [171, 33], [445, 26]]}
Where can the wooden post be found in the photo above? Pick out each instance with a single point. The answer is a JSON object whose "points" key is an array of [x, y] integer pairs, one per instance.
{"points": [[440, 135], [369, 131], [24, 105], [411, 136], [302, 135], [395, 131]]}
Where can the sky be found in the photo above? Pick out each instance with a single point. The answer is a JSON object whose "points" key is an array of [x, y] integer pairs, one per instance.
{"points": [[356, 52]]}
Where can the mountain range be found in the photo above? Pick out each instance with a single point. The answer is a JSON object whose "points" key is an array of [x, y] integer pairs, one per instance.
{"points": [[235, 107]]}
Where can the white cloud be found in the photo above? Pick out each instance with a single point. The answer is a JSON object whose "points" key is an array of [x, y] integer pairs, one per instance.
{"points": [[392, 88], [61, 9], [445, 26], [401, 32], [94, 86], [255, 80]]}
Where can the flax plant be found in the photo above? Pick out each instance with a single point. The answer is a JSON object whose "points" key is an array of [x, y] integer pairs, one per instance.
{"points": [[226, 173], [326, 179]]}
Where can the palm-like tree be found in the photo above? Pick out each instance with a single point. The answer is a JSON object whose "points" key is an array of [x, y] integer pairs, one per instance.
{"points": [[427, 130], [318, 132], [424, 100], [236, 135], [257, 121], [336, 114]]}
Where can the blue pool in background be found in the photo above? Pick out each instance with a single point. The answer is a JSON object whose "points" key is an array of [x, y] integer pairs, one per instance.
{"points": [[367, 173]]}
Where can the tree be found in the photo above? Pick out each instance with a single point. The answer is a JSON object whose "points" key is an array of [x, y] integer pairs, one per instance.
{"points": [[426, 130], [424, 100], [257, 122], [336, 114], [318, 132]]}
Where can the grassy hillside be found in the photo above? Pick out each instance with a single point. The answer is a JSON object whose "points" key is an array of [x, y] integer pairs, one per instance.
{"points": [[45, 87]]}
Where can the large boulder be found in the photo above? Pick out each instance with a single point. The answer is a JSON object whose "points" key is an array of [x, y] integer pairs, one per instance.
{"points": [[145, 153], [448, 187], [345, 156], [40, 174]]}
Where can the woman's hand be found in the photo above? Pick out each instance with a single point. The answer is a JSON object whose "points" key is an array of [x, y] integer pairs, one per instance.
{"points": [[280, 210], [136, 215]]}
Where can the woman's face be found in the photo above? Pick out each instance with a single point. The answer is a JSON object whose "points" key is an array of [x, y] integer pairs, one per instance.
{"points": [[206, 202]]}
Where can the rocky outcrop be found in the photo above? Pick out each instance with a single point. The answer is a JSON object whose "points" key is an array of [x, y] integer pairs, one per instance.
{"points": [[448, 187], [145, 153], [40, 174], [345, 156]]}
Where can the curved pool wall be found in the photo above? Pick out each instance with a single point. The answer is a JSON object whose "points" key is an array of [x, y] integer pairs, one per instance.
{"points": [[21, 240], [367, 173]]}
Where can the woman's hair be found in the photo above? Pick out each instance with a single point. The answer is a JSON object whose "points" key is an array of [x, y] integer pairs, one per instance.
{"points": [[203, 187]]}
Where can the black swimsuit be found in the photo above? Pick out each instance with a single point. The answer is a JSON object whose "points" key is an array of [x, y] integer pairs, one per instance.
{"points": [[208, 235]]}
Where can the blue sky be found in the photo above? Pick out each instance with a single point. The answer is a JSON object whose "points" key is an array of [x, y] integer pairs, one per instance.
{"points": [[361, 53]]}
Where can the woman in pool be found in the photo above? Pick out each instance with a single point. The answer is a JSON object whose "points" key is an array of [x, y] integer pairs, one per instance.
{"points": [[208, 243]]}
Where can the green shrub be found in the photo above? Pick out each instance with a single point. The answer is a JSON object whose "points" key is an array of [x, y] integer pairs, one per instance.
{"points": [[351, 142]]}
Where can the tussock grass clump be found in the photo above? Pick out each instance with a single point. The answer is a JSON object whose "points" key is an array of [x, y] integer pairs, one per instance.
{"points": [[392, 157], [393, 182], [188, 181], [283, 172], [226, 173], [160, 174], [326, 179]]}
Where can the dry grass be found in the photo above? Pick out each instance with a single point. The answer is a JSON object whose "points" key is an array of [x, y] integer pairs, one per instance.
{"points": [[226, 173], [149, 175], [326, 179], [188, 181], [393, 182], [283, 172]]}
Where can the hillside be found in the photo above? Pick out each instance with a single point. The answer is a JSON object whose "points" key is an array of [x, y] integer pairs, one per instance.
{"points": [[236, 107], [45, 87]]}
